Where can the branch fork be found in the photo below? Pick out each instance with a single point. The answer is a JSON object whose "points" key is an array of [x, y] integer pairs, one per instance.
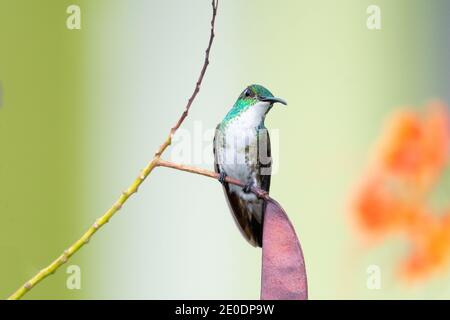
{"points": [[132, 189]]}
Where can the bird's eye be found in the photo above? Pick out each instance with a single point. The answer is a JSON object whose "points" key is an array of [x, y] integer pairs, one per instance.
{"points": [[248, 93]]}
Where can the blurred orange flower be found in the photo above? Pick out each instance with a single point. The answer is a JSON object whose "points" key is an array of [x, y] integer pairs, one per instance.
{"points": [[430, 248], [415, 146], [392, 198]]}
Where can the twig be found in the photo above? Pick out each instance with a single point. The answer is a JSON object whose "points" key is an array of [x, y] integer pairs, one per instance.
{"points": [[163, 163], [69, 252]]}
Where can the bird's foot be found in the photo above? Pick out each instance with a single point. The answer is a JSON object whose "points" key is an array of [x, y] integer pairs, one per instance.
{"points": [[222, 177], [248, 187]]}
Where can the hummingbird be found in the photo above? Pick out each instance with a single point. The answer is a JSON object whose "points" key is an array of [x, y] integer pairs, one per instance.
{"points": [[242, 151]]}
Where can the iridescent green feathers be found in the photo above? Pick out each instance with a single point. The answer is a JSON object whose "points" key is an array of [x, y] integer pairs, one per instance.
{"points": [[246, 99]]}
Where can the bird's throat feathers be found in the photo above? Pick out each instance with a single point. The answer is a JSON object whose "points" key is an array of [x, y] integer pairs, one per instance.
{"points": [[246, 115]]}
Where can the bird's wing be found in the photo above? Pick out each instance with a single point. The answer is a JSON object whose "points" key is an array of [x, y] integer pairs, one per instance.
{"points": [[216, 162], [265, 159]]}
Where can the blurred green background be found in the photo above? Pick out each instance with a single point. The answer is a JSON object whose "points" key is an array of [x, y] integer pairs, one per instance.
{"points": [[84, 110]]}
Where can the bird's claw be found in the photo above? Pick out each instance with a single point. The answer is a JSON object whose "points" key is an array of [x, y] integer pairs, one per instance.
{"points": [[247, 188], [222, 177]]}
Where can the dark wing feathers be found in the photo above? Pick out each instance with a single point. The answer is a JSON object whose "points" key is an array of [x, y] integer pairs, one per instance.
{"points": [[265, 179]]}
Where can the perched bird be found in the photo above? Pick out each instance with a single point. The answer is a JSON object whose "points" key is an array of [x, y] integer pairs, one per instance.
{"points": [[242, 151]]}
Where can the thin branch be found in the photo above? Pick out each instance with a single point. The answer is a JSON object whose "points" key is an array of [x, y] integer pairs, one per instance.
{"points": [[163, 163], [132, 189], [168, 141]]}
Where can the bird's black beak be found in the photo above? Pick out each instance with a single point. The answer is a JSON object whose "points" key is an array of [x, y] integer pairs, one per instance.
{"points": [[273, 100]]}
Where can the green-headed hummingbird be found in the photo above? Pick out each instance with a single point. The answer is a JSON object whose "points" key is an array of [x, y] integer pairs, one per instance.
{"points": [[242, 151]]}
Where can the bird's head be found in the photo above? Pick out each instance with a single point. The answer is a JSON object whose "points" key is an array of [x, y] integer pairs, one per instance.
{"points": [[257, 96], [252, 106]]}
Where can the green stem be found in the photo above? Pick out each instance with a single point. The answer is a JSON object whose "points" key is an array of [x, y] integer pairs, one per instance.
{"points": [[132, 189]]}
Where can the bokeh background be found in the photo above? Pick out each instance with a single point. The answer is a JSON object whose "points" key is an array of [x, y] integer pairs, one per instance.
{"points": [[83, 111]]}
